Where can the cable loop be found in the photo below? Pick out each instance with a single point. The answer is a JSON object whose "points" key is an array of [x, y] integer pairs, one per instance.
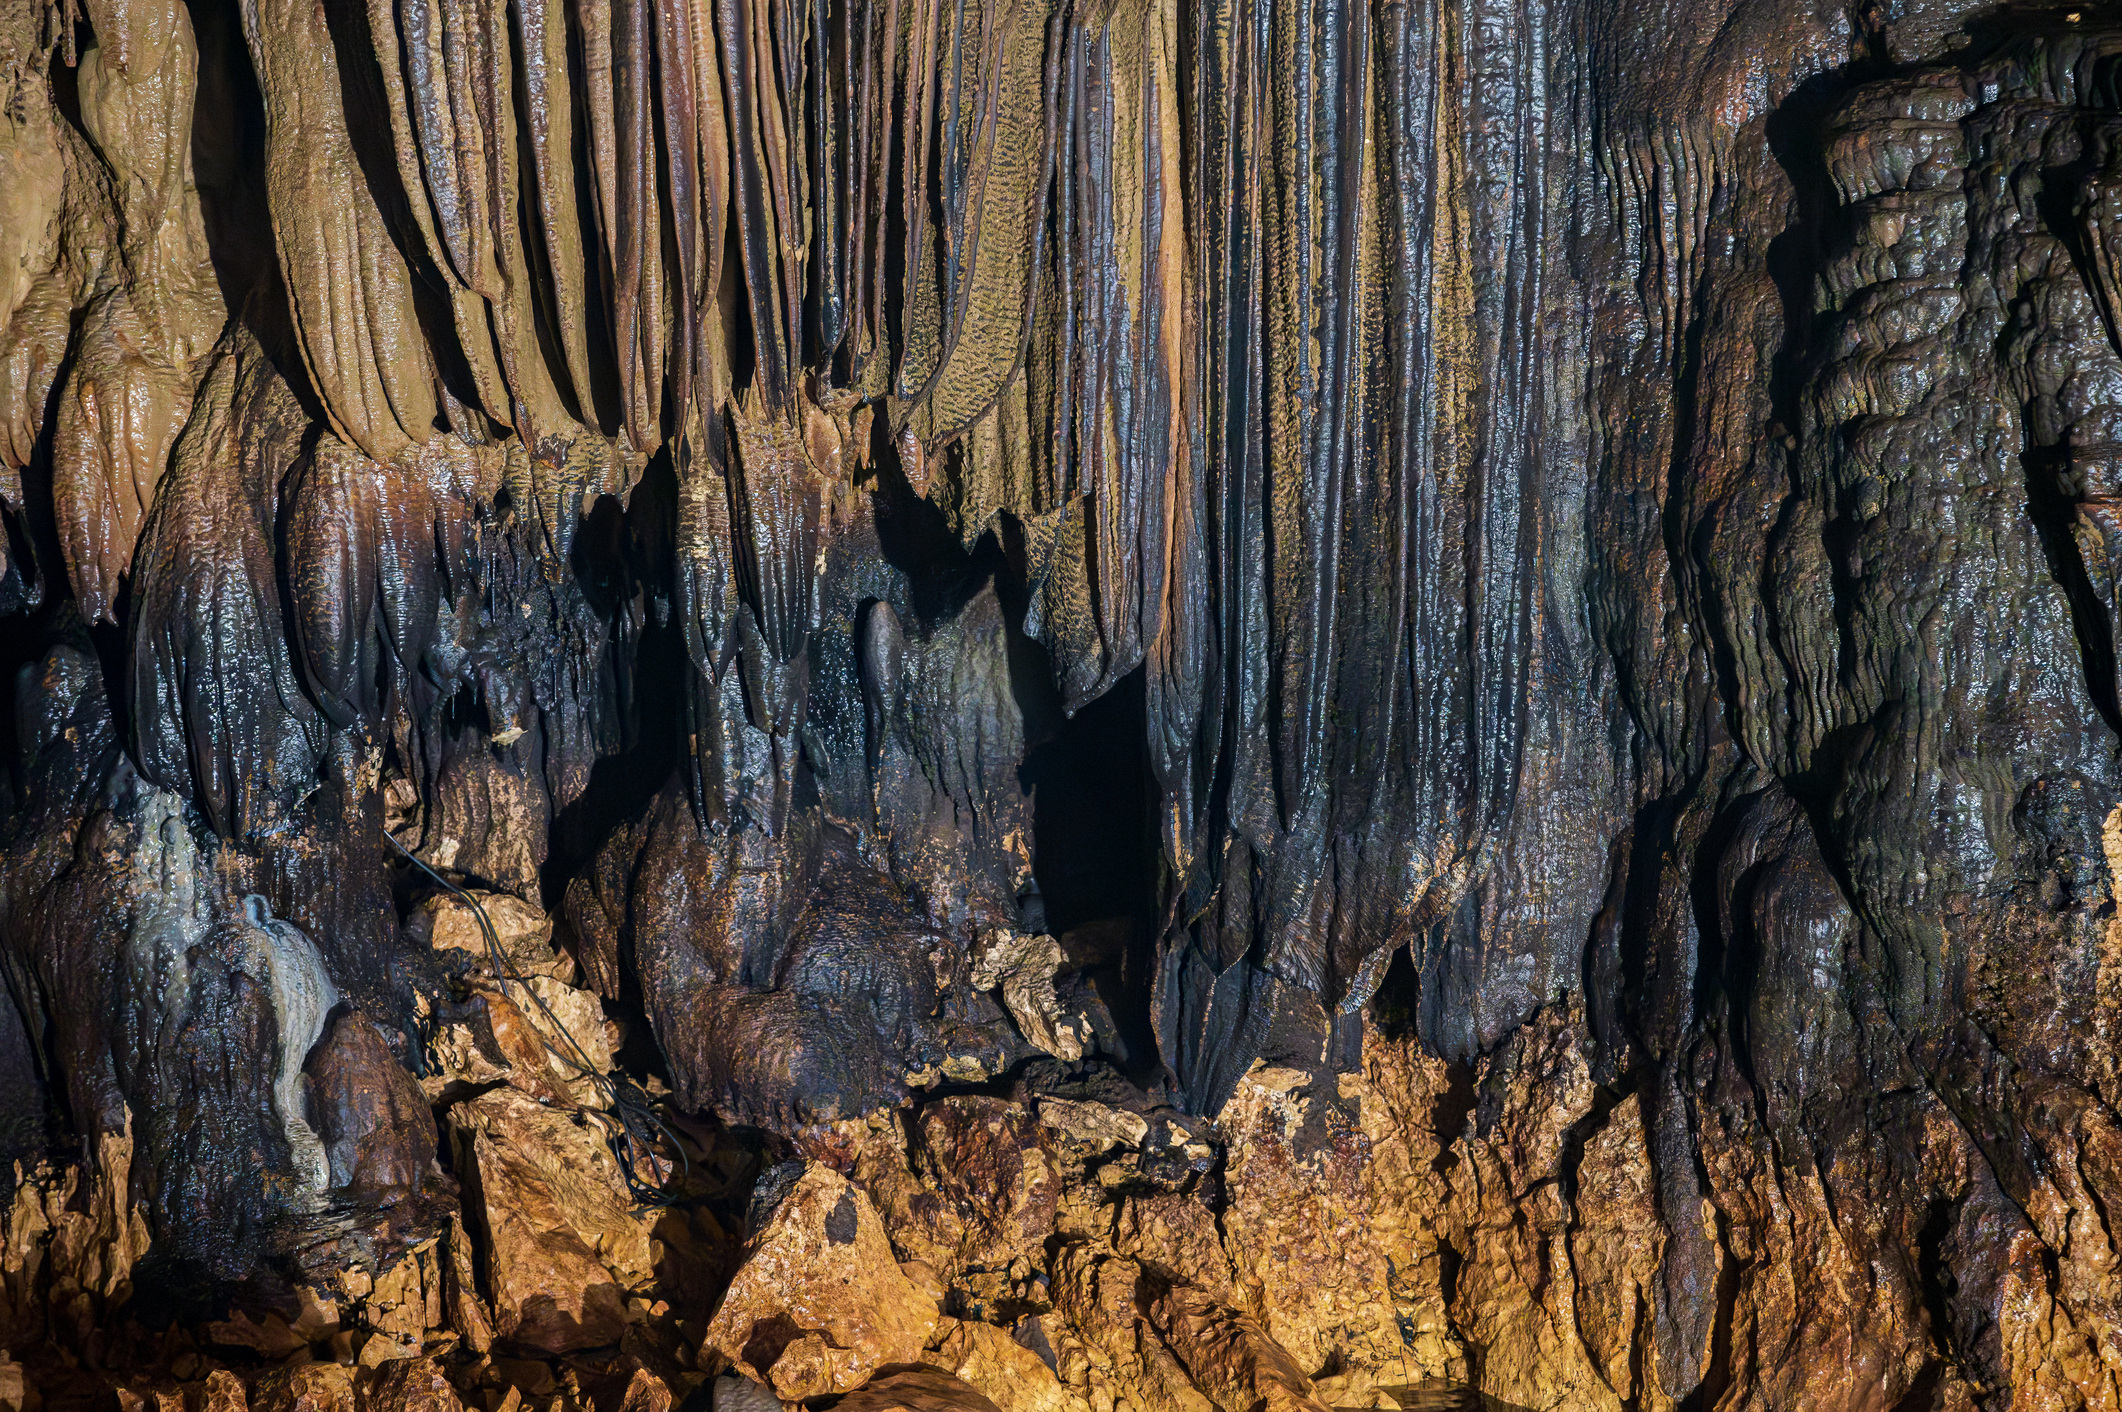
{"points": [[628, 1115]]}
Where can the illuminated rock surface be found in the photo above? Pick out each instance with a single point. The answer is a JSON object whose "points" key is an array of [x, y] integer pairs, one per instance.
{"points": [[1185, 704]]}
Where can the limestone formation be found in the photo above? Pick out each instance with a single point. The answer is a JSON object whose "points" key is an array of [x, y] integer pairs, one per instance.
{"points": [[819, 1304], [1172, 705]]}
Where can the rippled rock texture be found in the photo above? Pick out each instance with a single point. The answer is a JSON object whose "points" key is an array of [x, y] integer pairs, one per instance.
{"points": [[1170, 704]]}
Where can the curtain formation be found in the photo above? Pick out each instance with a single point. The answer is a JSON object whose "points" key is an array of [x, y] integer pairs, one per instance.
{"points": [[1177, 302], [1537, 578]]}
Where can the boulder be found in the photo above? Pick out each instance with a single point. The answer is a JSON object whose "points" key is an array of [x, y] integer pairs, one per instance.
{"points": [[524, 932], [820, 1302], [558, 1232], [1004, 1371], [309, 1387], [920, 1389]]}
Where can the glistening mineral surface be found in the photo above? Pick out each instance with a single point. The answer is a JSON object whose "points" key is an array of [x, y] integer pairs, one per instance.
{"points": [[1046, 706]]}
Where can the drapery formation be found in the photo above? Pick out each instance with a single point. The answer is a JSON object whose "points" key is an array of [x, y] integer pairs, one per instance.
{"points": [[1177, 302], [979, 548]]}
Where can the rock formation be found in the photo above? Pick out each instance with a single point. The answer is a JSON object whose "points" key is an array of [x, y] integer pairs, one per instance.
{"points": [[1172, 704]]}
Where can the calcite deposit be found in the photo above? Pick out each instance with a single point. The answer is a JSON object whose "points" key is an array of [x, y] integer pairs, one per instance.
{"points": [[1033, 706]]}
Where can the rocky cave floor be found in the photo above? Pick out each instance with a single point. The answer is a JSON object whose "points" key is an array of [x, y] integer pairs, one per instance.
{"points": [[1050, 1241]]}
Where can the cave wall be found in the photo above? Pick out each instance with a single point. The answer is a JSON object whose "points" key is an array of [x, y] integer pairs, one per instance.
{"points": [[1493, 622]]}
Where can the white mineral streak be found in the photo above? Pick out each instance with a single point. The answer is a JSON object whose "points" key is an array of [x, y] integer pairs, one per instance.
{"points": [[288, 964]]}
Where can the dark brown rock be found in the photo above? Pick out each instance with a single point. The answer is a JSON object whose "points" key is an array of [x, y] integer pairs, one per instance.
{"points": [[375, 1124], [1431, 685], [917, 1389]]}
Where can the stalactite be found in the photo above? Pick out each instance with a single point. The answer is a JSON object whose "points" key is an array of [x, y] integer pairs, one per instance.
{"points": [[1166, 703]]}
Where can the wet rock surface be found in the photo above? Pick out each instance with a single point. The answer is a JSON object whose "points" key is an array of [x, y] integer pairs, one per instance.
{"points": [[1177, 705], [819, 1302]]}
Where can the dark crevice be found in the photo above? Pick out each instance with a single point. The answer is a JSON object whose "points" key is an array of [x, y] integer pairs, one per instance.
{"points": [[1717, 1370], [1939, 1284], [1447, 1118], [1094, 849], [620, 561]]}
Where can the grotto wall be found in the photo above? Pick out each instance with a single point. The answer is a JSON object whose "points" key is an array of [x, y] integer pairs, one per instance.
{"points": [[1051, 706]]}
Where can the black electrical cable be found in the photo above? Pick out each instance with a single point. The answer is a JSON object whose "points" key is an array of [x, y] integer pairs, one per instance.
{"points": [[632, 1127]]}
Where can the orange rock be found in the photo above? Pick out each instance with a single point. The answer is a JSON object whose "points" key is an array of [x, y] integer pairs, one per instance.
{"points": [[1298, 1227], [224, 1393], [464, 1310], [17, 1392], [556, 1224], [1229, 1356], [1004, 1371], [407, 1385], [969, 1184], [1176, 1235], [525, 934], [644, 1392], [1110, 1352], [535, 1036], [310, 1387], [1614, 1250], [270, 1336], [920, 1389], [819, 1302], [404, 1302], [219, 1391]]}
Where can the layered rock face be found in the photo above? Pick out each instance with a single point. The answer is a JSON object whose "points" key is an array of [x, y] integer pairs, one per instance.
{"points": [[1178, 704]]}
